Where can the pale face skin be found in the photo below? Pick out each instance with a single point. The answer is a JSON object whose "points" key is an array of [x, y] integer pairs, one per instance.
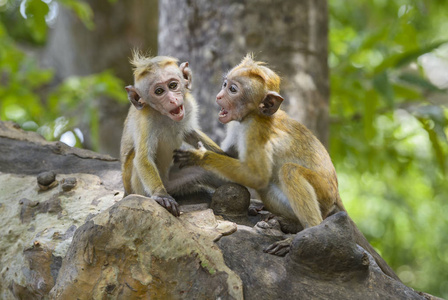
{"points": [[163, 90], [227, 99], [166, 93]]}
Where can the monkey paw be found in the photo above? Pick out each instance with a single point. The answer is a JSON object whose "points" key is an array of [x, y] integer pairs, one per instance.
{"points": [[280, 248], [186, 158], [168, 202]]}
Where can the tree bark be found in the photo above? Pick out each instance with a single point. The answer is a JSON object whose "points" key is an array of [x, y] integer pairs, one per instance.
{"points": [[75, 50], [291, 36]]}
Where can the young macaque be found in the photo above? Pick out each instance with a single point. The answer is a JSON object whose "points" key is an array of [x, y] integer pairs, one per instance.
{"points": [[277, 156], [161, 117]]}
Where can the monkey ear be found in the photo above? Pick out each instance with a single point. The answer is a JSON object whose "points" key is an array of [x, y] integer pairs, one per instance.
{"points": [[271, 103], [186, 72], [134, 97]]}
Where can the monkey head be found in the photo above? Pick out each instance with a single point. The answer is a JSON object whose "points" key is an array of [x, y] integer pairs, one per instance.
{"points": [[248, 88], [161, 84]]}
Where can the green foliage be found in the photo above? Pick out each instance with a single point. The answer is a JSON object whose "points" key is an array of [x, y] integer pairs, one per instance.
{"points": [[76, 98], [25, 93], [20, 77], [388, 135], [82, 10], [36, 10]]}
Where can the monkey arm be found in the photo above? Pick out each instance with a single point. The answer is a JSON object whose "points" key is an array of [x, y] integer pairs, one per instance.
{"points": [[195, 136], [191, 179], [148, 173], [253, 173], [127, 155], [127, 162], [152, 183]]}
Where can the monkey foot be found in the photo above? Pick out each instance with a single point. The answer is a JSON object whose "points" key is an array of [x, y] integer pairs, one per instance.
{"points": [[169, 203], [280, 248]]}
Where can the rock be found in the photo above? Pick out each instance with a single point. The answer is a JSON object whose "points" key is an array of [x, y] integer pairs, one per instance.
{"points": [[81, 239], [340, 254], [137, 249], [46, 180], [301, 273], [68, 184], [41, 272], [44, 219], [29, 208], [28, 153], [38, 226], [231, 199]]}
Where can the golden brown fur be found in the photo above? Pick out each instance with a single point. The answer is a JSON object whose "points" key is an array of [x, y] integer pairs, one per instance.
{"points": [[277, 156], [156, 125]]}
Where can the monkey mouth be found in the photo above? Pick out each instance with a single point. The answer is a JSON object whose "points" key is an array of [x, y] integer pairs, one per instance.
{"points": [[223, 113], [177, 111], [177, 114]]}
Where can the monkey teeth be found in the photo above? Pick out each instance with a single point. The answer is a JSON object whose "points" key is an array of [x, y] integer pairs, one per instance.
{"points": [[223, 113], [177, 110]]}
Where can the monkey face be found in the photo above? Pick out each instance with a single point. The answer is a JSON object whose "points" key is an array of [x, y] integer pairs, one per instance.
{"points": [[166, 92], [245, 91], [231, 100], [225, 100]]}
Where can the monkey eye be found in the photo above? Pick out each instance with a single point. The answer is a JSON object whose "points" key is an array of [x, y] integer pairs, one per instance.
{"points": [[173, 85], [233, 88], [159, 91], [224, 84]]}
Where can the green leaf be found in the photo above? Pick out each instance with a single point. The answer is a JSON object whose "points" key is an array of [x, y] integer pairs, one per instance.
{"points": [[94, 128], [436, 145], [383, 86], [82, 10], [370, 106], [35, 11], [400, 59], [114, 86], [374, 37], [407, 93], [419, 81]]}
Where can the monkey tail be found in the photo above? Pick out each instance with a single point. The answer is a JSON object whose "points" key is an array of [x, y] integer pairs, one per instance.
{"points": [[361, 240]]}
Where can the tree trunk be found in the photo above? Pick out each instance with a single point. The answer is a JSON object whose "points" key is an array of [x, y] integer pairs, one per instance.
{"points": [[291, 36], [75, 50]]}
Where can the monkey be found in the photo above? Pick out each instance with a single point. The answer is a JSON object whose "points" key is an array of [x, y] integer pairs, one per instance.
{"points": [[162, 116], [277, 156]]}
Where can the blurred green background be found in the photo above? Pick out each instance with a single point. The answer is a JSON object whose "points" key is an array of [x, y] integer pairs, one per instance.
{"points": [[388, 106]]}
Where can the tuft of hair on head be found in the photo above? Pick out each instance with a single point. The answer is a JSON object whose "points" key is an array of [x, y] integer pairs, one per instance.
{"points": [[252, 68], [144, 63]]}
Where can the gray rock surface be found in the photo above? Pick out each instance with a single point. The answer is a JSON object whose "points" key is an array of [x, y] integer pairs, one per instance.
{"points": [[137, 249], [231, 199], [80, 239]]}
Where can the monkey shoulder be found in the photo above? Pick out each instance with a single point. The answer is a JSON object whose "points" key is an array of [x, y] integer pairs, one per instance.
{"points": [[293, 142], [293, 128]]}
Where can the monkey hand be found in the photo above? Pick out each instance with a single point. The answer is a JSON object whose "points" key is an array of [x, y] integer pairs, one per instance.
{"points": [[191, 157], [280, 248], [168, 202]]}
